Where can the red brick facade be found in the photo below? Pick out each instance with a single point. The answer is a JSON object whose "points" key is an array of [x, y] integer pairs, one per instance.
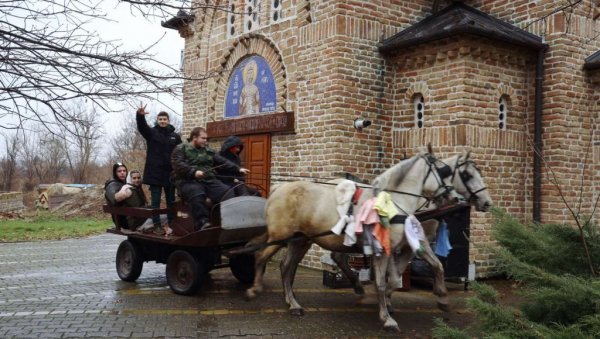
{"points": [[328, 71]]}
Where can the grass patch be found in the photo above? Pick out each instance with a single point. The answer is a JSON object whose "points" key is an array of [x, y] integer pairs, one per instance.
{"points": [[43, 225]]}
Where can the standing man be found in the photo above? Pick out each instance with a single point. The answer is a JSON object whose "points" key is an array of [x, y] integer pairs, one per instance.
{"points": [[194, 167], [160, 142]]}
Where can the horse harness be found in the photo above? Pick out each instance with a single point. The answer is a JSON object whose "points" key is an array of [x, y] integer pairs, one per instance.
{"points": [[465, 177], [443, 172]]}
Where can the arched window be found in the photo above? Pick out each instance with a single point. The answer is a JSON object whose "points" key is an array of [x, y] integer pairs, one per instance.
{"points": [[419, 107], [276, 12], [251, 15], [231, 19], [502, 112]]}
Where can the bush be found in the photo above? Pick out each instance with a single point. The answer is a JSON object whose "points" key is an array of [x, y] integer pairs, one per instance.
{"points": [[561, 293]]}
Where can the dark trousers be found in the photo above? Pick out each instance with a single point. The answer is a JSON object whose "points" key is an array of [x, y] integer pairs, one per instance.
{"points": [[195, 194], [155, 192]]}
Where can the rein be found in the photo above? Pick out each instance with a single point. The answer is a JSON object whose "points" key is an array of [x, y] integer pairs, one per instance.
{"points": [[465, 177], [443, 172]]}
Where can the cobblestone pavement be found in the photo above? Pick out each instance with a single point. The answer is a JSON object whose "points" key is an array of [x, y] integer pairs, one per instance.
{"points": [[69, 288]]}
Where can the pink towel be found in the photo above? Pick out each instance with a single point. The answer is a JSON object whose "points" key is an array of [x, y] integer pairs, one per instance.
{"points": [[367, 215]]}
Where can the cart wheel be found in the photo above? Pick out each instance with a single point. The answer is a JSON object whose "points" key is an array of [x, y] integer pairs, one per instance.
{"points": [[129, 261], [184, 273], [242, 267]]}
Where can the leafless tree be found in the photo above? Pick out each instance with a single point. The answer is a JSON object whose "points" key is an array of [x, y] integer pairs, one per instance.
{"points": [[49, 57], [8, 162], [128, 146], [81, 138], [29, 158], [42, 157]]}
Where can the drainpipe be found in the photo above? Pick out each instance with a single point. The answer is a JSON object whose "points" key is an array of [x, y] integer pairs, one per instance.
{"points": [[537, 135]]}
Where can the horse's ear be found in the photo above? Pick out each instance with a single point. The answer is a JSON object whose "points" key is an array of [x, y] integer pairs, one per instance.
{"points": [[429, 148], [465, 154]]}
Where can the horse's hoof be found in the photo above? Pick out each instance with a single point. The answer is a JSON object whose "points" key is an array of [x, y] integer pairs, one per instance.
{"points": [[298, 312], [392, 326], [443, 307], [250, 295]]}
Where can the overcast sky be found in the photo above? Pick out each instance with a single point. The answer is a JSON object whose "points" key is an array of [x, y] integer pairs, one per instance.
{"points": [[136, 32]]}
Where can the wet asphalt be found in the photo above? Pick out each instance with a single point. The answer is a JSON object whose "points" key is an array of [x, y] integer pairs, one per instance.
{"points": [[70, 289]]}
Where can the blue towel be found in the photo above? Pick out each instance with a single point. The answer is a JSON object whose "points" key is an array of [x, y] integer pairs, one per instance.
{"points": [[442, 243]]}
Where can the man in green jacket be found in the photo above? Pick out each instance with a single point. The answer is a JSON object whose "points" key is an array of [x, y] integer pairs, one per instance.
{"points": [[194, 167]]}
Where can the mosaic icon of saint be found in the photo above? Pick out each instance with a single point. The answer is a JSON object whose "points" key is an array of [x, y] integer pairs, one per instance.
{"points": [[249, 97]]}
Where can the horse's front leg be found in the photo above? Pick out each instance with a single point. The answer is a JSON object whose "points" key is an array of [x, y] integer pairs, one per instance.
{"points": [[261, 257], [439, 284], [396, 267], [296, 251], [380, 265], [341, 259]]}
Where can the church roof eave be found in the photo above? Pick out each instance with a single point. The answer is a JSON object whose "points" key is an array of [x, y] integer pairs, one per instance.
{"points": [[460, 19], [592, 62]]}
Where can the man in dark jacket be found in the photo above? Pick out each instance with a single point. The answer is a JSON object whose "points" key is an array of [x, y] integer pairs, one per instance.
{"points": [[230, 150], [160, 142], [194, 167]]}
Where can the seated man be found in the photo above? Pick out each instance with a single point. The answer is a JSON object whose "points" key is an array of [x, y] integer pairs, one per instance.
{"points": [[230, 150], [194, 167], [119, 193]]}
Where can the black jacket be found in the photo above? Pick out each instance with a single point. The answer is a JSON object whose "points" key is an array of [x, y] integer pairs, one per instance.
{"points": [[160, 142], [226, 174]]}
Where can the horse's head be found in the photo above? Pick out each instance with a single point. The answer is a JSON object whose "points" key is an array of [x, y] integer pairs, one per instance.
{"points": [[435, 188], [467, 181], [416, 177]]}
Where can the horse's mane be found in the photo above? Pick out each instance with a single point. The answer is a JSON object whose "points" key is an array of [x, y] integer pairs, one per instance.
{"points": [[391, 177]]}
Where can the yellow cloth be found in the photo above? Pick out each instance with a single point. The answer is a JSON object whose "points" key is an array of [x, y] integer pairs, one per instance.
{"points": [[385, 206]]}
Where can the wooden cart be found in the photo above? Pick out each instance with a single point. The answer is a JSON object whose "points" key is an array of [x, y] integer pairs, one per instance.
{"points": [[190, 254]]}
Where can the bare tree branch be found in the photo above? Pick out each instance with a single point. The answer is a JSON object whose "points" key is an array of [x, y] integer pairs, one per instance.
{"points": [[51, 56]]}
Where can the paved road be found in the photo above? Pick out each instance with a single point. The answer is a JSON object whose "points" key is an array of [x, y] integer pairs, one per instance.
{"points": [[69, 288]]}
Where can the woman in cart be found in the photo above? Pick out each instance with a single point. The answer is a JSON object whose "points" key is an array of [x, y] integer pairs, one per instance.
{"points": [[120, 193]]}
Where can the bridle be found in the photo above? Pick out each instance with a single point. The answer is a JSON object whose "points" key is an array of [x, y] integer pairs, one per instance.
{"points": [[465, 177], [441, 191]]}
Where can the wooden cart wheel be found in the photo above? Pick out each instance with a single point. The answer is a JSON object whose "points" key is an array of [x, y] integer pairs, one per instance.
{"points": [[129, 261], [242, 267], [184, 273]]}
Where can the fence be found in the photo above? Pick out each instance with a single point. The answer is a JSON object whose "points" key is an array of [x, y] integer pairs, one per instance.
{"points": [[11, 202]]}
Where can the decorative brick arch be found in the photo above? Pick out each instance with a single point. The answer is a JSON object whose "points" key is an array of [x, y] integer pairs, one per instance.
{"points": [[419, 87], [506, 90], [246, 45]]}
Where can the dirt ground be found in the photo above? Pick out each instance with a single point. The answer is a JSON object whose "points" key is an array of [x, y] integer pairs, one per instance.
{"points": [[86, 204]]}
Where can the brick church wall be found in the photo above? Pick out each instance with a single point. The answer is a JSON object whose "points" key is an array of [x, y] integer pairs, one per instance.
{"points": [[328, 71]]}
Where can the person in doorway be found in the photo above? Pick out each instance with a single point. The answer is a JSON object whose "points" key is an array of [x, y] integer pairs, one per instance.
{"points": [[160, 142], [119, 193], [230, 150], [194, 167]]}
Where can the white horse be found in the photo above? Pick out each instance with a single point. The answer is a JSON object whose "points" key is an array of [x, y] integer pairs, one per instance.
{"points": [[301, 213], [458, 171]]}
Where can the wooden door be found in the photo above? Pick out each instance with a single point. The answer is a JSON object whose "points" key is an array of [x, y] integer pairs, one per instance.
{"points": [[256, 156]]}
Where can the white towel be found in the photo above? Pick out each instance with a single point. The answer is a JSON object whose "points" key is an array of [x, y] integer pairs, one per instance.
{"points": [[344, 191], [414, 233]]}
